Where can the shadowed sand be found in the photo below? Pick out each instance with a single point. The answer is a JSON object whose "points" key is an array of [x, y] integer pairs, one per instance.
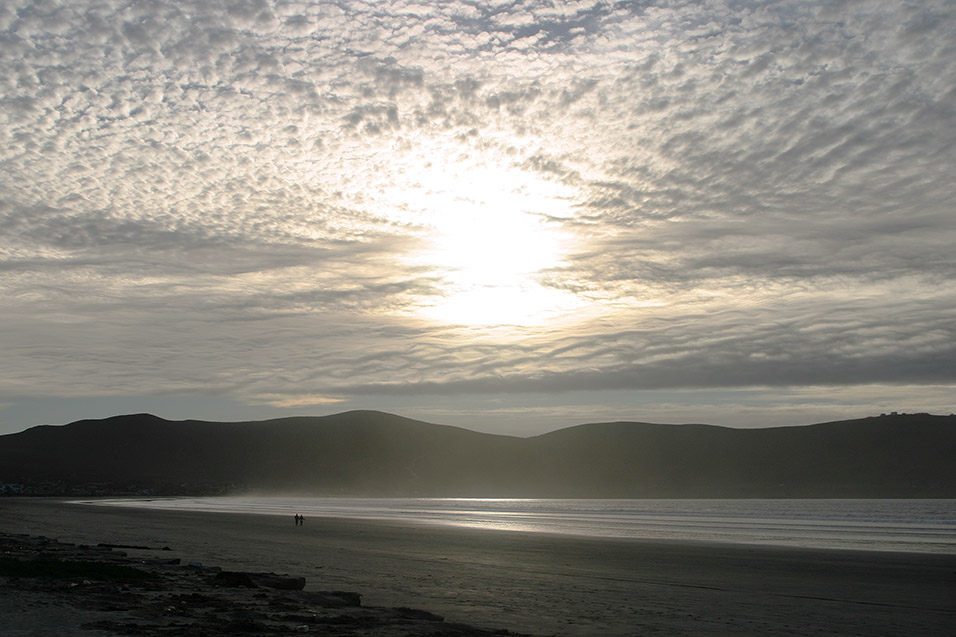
{"points": [[542, 584]]}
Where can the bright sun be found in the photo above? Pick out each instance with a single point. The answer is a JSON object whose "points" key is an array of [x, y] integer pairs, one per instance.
{"points": [[492, 231]]}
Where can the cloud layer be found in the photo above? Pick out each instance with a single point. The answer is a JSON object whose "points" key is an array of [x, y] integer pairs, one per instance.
{"points": [[246, 199]]}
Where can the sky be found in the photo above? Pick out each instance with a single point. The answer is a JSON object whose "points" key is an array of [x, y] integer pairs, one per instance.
{"points": [[508, 216]]}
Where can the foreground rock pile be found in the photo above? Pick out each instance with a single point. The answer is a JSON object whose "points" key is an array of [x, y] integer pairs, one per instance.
{"points": [[52, 587]]}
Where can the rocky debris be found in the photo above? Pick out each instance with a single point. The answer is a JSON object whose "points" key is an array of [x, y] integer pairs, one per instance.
{"points": [[109, 591], [414, 613], [131, 546], [233, 579]]}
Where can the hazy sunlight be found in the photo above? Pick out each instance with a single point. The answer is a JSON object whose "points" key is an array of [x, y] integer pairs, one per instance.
{"points": [[492, 231]]}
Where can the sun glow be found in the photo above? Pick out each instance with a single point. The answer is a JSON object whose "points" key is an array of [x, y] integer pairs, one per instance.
{"points": [[493, 232]]}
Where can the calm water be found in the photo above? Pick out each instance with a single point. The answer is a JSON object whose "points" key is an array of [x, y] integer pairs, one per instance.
{"points": [[927, 526]]}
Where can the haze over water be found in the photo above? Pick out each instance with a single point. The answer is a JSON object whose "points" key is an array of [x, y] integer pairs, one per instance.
{"points": [[924, 526]]}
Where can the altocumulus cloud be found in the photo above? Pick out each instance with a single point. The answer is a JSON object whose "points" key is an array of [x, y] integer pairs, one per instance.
{"points": [[242, 198]]}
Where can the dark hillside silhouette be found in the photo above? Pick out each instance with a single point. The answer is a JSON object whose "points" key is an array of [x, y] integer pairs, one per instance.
{"points": [[374, 453]]}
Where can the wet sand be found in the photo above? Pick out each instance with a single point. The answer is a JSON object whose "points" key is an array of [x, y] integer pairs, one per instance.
{"points": [[542, 584]]}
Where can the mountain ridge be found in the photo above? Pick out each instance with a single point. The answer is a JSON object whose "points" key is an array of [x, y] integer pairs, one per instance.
{"points": [[376, 453]]}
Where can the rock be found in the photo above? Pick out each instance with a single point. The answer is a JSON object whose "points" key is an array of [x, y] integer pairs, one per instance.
{"points": [[278, 582], [255, 580], [179, 600], [330, 599], [159, 561], [414, 613], [234, 579], [123, 546]]}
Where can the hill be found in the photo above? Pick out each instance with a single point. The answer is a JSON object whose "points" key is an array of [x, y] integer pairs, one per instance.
{"points": [[374, 453]]}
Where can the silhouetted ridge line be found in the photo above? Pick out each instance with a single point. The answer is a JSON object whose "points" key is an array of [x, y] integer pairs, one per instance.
{"points": [[381, 454]]}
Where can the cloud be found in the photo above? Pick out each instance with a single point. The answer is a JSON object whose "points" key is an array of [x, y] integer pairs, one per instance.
{"points": [[237, 200], [840, 345], [282, 400]]}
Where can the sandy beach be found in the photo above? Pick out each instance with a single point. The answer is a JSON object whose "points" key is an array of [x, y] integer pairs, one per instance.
{"points": [[529, 583]]}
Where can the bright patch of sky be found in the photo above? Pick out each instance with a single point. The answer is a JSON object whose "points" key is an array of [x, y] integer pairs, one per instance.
{"points": [[512, 216]]}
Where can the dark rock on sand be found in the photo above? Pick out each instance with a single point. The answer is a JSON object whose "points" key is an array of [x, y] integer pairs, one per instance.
{"points": [[278, 582], [255, 580], [92, 589], [233, 579], [331, 599], [414, 613]]}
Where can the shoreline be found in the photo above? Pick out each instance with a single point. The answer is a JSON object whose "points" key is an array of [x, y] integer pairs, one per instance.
{"points": [[818, 533], [542, 584]]}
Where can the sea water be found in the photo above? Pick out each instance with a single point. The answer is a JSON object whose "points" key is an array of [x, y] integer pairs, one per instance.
{"points": [[925, 526]]}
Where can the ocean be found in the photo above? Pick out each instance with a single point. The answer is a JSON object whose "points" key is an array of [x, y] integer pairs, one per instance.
{"points": [[924, 526]]}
